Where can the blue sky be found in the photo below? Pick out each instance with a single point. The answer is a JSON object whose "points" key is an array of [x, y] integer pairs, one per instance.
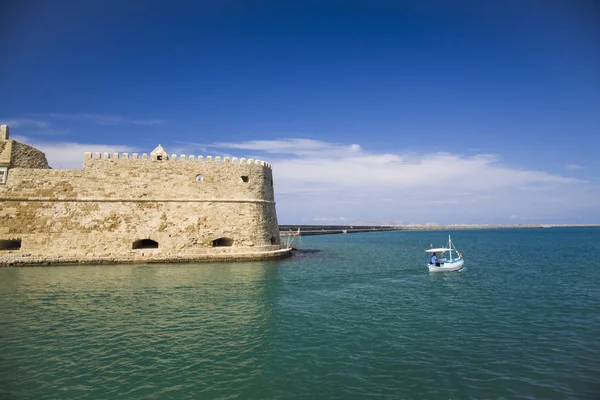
{"points": [[369, 111]]}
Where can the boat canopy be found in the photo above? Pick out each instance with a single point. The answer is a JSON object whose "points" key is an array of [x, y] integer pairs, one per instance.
{"points": [[436, 250]]}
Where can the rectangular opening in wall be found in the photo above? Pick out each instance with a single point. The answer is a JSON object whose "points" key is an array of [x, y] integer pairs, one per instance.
{"points": [[3, 174], [12, 244]]}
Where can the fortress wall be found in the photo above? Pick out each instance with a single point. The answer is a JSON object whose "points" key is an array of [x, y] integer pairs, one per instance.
{"points": [[86, 229], [125, 179], [100, 211]]}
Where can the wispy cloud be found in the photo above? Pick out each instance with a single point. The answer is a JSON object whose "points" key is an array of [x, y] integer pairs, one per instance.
{"points": [[69, 155], [296, 147], [23, 122], [32, 126], [103, 119], [443, 202], [329, 219], [55, 124], [572, 167], [48, 132]]}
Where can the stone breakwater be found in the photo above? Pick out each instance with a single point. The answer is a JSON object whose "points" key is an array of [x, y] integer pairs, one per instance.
{"points": [[309, 230], [306, 230]]}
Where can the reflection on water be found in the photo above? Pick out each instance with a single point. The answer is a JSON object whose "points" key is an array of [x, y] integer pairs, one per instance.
{"points": [[120, 324]]}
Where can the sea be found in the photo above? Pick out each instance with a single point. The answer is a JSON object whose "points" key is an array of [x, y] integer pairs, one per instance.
{"points": [[349, 316]]}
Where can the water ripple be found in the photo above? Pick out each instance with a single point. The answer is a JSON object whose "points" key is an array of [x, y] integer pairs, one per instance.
{"points": [[358, 317]]}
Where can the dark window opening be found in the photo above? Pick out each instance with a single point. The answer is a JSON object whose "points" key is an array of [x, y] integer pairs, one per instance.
{"points": [[145, 244], [159, 158], [273, 240], [244, 178], [222, 242], [14, 244]]}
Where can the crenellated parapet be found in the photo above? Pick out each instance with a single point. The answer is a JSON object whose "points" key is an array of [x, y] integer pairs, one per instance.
{"points": [[173, 158]]}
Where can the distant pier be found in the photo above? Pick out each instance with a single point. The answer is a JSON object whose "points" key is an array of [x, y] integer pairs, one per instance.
{"points": [[309, 230]]}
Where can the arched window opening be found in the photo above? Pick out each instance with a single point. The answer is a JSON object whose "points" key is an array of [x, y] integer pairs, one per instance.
{"points": [[273, 240], [145, 244], [222, 242], [245, 179], [14, 244], [199, 177]]}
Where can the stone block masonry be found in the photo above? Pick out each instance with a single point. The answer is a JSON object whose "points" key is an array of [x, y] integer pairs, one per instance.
{"points": [[135, 208]]}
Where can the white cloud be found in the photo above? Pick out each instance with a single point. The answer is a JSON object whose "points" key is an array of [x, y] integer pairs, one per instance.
{"points": [[313, 178], [69, 155], [328, 164]]}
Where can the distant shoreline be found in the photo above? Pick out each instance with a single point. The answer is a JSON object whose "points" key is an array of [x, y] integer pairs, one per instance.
{"points": [[308, 230]]}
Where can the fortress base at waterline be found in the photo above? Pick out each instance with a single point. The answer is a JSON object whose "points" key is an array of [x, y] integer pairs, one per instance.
{"points": [[148, 257]]}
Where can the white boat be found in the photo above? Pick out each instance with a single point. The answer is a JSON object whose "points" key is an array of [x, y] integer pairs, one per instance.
{"points": [[446, 261]]}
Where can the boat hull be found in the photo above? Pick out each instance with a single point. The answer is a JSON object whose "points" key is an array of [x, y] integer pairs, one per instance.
{"points": [[447, 266]]}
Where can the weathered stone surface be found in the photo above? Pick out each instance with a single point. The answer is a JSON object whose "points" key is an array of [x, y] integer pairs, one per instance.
{"points": [[24, 156], [115, 204], [5, 152]]}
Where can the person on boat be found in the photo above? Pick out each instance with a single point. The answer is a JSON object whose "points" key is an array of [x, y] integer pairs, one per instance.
{"points": [[434, 259]]}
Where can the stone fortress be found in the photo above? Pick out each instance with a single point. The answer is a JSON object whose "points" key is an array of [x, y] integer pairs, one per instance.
{"points": [[134, 208]]}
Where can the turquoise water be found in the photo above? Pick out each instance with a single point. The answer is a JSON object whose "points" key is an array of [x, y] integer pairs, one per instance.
{"points": [[351, 317]]}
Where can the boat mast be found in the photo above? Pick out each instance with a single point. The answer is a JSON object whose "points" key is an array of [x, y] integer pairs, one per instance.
{"points": [[450, 246]]}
